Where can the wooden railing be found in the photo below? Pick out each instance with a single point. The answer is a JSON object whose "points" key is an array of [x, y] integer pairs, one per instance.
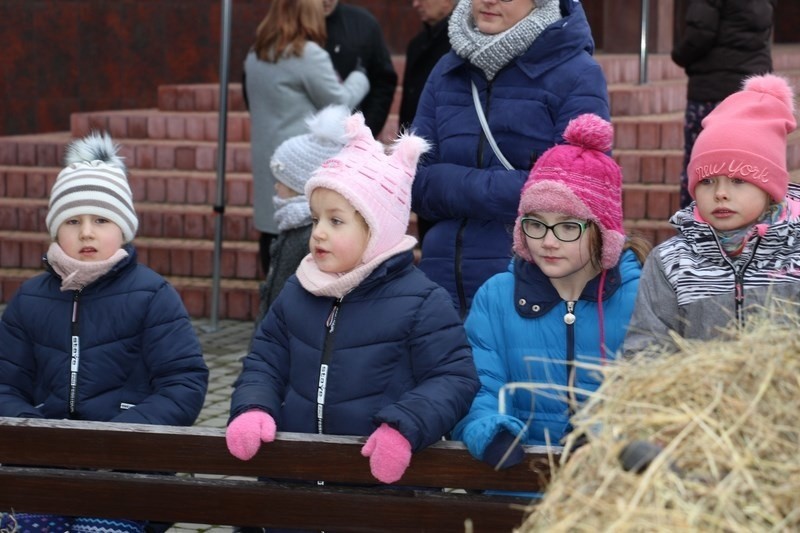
{"points": [[118, 471]]}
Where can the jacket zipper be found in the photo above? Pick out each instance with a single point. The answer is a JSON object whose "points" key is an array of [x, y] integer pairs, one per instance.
{"points": [[569, 320], [322, 381], [462, 297], [75, 357], [738, 280], [327, 351]]}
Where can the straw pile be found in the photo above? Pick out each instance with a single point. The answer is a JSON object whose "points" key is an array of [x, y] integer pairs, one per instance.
{"points": [[727, 414]]}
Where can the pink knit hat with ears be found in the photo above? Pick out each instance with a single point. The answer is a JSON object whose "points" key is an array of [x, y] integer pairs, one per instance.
{"points": [[745, 137], [578, 179], [377, 185]]}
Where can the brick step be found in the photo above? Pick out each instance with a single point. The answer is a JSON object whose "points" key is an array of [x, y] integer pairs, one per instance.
{"points": [[665, 166], [649, 132], [47, 150], [238, 299], [655, 231], [657, 96], [171, 186], [168, 257], [152, 123], [653, 98], [174, 221]]}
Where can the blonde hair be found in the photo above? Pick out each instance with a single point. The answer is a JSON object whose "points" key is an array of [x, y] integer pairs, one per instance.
{"points": [[287, 27]]}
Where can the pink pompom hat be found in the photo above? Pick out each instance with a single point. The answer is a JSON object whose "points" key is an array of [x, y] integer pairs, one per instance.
{"points": [[578, 179], [744, 137], [377, 184]]}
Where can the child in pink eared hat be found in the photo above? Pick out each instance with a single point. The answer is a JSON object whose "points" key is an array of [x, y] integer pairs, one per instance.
{"points": [[736, 246], [359, 341], [563, 304]]}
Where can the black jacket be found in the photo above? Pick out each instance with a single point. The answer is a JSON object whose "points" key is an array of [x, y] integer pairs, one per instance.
{"points": [[353, 34], [423, 51], [723, 42]]}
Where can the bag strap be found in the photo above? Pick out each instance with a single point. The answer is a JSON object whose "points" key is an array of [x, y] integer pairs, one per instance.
{"points": [[486, 131]]}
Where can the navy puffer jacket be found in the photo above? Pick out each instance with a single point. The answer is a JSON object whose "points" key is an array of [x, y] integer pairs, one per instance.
{"points": [[461, 186], [139, 358], [396, 353]]}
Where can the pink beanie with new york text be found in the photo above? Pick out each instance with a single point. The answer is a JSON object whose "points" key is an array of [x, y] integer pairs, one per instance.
{"points": [[578, 179], [745, 137], [377, 184]]}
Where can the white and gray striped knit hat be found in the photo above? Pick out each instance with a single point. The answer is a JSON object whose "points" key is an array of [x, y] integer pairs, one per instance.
{"points": [[93, 182]]}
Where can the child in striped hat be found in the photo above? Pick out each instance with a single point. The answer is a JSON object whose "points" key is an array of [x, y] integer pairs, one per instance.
{"points": [[97, 336]]}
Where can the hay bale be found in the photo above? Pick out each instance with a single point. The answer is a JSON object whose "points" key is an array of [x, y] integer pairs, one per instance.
{"points": [[727, 414]]}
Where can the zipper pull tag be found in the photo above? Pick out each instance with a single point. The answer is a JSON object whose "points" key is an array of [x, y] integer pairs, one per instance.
{"points": [[569, 318], [330, 323]]}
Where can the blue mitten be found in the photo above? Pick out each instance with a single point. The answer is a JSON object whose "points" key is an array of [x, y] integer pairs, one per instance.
{"points": [[497, 449]]}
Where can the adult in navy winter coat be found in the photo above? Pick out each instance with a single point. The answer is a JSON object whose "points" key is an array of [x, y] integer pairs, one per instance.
{"points": [[359, 341], [531, 64], [98, 336]]}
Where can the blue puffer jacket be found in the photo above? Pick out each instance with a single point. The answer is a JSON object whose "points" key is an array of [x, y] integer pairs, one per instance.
{"points": [[139, 360], [461, 186], [395, 352], [518, 315]]}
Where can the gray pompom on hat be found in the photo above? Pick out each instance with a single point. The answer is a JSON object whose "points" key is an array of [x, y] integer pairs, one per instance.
{"points": [[298, 157], [93, 182]]}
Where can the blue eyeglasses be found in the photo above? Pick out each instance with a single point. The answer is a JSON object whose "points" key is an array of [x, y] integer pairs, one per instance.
{"points": [[568, 231]]}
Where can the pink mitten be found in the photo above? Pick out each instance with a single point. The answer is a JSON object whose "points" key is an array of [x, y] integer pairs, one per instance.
{"points": [[389, 454], [246, 432]]}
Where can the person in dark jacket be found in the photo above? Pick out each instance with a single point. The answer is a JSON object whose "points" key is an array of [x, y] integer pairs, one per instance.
{"points": [[423, 52], [98, 336], [355, 40], [292, 165], [359, 342], [530, 65], [722, 43]]}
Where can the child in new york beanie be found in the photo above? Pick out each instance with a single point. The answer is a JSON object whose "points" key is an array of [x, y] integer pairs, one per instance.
{"points": [[395, 363], [736, 244], [292, 164]]}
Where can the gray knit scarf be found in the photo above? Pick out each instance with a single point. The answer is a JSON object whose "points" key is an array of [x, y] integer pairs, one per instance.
{"points": [[490, 53], [291, 212]]}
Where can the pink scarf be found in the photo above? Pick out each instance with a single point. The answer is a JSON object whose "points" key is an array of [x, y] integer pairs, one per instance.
{"points": [[321, 283], [75, 275]]}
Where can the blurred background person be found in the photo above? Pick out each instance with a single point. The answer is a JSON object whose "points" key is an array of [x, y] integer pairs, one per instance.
{"points": [[288, 76], [723, 42], [422, 53], [355, 40]]}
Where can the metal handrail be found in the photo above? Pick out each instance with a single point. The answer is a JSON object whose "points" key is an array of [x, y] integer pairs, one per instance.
{"points": [[219, 203], [643, 42]]}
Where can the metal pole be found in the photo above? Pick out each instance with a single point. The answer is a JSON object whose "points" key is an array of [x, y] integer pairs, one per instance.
{"points": [[219, 206], [643, 43]]}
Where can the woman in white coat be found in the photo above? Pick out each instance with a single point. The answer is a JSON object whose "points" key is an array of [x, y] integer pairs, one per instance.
{"points": [[288, 76]]}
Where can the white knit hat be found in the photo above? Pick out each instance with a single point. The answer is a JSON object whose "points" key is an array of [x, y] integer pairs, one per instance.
{"points": [[93, 182], [298, 157]]}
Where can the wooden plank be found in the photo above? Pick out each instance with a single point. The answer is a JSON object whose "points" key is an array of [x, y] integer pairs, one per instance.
{"points": [[247, 502], [143, 448]]}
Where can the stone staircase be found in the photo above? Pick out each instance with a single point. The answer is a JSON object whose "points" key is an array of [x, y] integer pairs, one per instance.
{"points": [[171, 152]]}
